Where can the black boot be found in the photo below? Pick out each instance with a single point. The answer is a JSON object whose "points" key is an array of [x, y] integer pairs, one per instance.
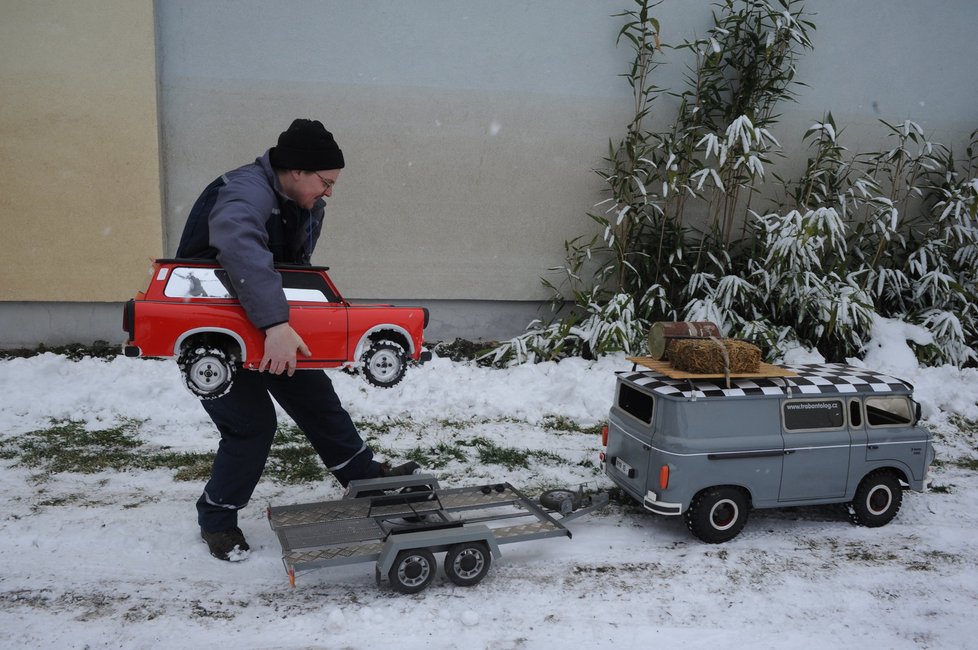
{"points": [[228, 545], [406, 469]]}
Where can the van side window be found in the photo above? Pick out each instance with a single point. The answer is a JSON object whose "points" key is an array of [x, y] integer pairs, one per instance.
{"points": [[635, 403], [813, 414], [888, 411], [855, 415]]}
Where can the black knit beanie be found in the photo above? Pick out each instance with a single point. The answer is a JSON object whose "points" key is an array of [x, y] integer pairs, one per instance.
{"points": [[306, 145]]}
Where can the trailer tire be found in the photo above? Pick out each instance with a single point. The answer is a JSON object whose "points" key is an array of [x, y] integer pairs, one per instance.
{"points": [[413, 570], [468, 563]]}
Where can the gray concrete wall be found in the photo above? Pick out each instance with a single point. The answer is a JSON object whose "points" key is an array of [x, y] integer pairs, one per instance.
{"points": [[471, 128], [27, 324]]}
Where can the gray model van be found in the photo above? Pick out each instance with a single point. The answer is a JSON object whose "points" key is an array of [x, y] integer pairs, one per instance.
{"points": [[710, 450]]}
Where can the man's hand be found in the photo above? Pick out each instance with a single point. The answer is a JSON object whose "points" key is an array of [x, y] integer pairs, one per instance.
{"points": [[281, 343]]}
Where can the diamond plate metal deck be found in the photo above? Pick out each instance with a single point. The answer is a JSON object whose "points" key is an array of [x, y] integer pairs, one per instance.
{"points": [[525, 531], [300, 514], [352, 554], [347, 531], [329, 533]]}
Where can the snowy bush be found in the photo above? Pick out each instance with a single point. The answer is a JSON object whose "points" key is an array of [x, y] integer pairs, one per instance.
{"points": [[856, 237]]}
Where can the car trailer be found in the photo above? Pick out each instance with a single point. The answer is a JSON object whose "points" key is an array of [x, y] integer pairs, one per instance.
{"points": [[400, 522]]}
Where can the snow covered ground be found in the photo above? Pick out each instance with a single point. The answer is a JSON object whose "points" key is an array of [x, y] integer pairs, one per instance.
{"points": [[113, 559]]}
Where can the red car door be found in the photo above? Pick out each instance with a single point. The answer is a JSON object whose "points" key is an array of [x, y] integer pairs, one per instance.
{"points": [[318, 315]]}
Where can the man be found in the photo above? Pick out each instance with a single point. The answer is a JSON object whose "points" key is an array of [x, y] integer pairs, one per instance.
{"points": [[267, 212]]}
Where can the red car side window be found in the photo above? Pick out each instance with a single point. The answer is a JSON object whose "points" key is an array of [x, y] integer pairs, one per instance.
{"points": [[190, 282]]}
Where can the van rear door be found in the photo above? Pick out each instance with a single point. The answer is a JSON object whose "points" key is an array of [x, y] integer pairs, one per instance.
{"points": [[630, 439]]}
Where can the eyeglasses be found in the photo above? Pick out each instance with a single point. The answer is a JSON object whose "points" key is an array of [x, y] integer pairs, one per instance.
{"points": [[327, 183]]}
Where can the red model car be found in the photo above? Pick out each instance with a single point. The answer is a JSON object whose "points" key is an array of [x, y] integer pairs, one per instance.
{"points": [[190, 311]]}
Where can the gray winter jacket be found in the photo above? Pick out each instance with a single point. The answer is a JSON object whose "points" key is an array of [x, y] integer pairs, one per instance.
{"points": [[245, 221]]}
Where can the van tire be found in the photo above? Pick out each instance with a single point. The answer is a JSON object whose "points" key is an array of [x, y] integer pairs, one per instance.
{"points": [[717, 514], [877, 500]]}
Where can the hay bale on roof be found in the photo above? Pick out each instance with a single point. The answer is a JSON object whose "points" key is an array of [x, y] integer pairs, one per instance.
{"points": [[714, 356]]}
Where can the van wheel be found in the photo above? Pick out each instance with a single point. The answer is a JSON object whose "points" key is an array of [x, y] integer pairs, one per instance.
{"points": [[877, 499], [717, 514], [207, 370]]}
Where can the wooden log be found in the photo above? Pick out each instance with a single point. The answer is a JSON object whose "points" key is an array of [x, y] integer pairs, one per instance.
{"points": [[662, 332]]}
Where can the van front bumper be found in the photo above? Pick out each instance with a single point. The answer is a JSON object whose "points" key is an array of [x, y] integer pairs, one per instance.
{"points": [[651, 502]]}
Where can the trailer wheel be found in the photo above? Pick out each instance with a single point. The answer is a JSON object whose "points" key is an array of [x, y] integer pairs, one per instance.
{"points": [[413, 570], [468, 563], [717, 514], [207, 370], [877, 500]]}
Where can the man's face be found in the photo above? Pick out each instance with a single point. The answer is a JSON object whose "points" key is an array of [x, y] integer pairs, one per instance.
{"points": [[309, 186]]}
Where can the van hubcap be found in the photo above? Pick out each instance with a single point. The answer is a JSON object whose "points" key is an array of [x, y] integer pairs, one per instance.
{"points": [[723, 514], [879, 500]]}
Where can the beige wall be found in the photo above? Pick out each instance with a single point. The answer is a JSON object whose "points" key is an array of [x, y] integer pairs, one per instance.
{"points": [[80, 205]]}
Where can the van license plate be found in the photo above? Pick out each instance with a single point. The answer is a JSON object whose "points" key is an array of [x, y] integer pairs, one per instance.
{"points": [[623, 467]]}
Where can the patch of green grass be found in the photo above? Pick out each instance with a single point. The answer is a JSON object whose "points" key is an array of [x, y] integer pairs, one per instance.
{"points": [[67, 446], [564, 423], [372, 428], [292, 459], [295, 464], [967, 463], [871, 556], [963, 424], [188, 466], [289, 435], [456, 425], [933, 560], [509, 457], [436, 456], [62, 500]]}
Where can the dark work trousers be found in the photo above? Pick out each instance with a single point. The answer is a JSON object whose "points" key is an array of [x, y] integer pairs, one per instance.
{"points": [[245, 417]]}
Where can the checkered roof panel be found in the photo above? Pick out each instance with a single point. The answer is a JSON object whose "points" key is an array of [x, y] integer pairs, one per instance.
{"points": [[812, 379]]}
